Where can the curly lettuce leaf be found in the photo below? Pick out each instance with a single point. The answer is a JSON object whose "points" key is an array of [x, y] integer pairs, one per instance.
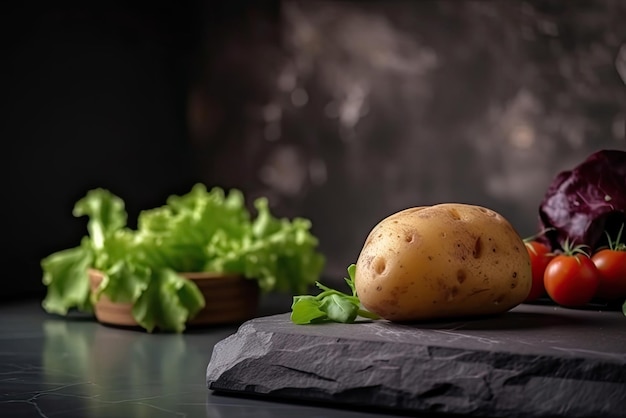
{"points": [[183, 228], [280, 254], [168, 302], [119, 246], [65, 272], [213, 231], [106, 213], [65, 275], [124, 282], [199, 231]]}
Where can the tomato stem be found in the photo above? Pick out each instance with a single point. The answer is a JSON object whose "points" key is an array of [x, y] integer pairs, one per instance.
{"points": [[570, 249], [537, 235], [616, 245]]}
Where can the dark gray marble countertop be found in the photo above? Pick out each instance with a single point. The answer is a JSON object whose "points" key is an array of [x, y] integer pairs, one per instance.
{"points": [[58, 367]]}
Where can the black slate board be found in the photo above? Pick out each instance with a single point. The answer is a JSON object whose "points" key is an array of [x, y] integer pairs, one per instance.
{"points": [[534, 361]]}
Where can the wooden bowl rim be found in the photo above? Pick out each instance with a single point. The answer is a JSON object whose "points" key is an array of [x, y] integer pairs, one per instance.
{"points": [[116, 313]]}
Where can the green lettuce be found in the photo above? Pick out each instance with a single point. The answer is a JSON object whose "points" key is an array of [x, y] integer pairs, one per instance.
{"points": [[199, 231]]}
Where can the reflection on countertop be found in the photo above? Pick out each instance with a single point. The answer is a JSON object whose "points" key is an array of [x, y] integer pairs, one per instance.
{"points": [[58, 367]]}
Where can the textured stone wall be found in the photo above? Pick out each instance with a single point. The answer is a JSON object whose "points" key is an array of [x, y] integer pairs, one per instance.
{"points": [[345, 112], [342, 112]]}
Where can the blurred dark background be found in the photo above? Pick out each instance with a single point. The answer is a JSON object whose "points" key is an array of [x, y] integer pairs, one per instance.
{"points": [[342, 112]]}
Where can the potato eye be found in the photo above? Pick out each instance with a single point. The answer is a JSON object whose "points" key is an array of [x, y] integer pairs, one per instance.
{"points": [[455, 214], [379, 265], [461, 276], [478, 248], [488, 212]]}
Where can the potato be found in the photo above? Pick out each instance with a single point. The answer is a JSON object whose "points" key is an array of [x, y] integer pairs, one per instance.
{"points": [[447, 260]]}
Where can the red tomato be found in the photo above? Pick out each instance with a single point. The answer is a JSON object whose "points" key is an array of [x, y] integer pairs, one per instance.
{"points": [[540, 256], [571, 280], [611, 265]]}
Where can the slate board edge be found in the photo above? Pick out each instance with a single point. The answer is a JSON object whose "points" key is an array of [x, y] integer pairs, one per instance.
{"points": [[452, 381]]}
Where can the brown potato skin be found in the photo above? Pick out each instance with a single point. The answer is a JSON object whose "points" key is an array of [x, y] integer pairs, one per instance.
{"points": [[447, 260]]}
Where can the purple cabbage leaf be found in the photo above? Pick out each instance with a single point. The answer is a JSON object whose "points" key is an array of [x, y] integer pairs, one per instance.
{"points": [[585, 203]]}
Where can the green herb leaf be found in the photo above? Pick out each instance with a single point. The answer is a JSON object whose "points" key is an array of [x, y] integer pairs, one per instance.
{"points": [[339, 309], [306, 310], [350, 279], [367, 314], [330, 305]]}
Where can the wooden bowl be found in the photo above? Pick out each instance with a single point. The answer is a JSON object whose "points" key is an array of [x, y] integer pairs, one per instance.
{"points": [[229, 298]]}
